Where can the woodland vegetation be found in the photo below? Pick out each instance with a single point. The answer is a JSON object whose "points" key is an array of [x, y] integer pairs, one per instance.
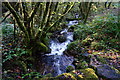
{"points": [[27, 28]]}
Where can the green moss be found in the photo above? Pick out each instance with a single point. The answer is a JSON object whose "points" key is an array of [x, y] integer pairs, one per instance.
{"points": [[86, 74], [66, 76], [82, 74], [73, 45], [69, 68], [95, 53], [41, 46], [84, 64], [117, 71], [74, 48], [89, 73]]}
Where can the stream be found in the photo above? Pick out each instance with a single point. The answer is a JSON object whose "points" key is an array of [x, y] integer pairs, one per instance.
{"points": [[56, 62]]}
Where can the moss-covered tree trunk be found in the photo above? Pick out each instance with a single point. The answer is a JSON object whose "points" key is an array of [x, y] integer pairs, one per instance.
{"points": [[35, 38]]}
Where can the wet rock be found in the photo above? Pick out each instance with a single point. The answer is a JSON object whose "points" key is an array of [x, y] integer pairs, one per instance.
{"points": [[71, 29], [108, 72], [56, 64], [62, 38]]}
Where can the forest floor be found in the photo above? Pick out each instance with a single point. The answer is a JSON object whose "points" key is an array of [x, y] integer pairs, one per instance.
{"points": [[15, 65]]}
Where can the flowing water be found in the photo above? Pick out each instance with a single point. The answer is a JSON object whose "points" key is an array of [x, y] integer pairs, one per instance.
{"points": [[57, 62]]}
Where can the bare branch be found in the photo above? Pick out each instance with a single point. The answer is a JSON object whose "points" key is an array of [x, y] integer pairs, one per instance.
{"points": [[5, 18], [34, 11]]}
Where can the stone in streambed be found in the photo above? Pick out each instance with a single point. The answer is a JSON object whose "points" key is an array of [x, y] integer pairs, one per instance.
{"points": [[62, 38], [71, 29]]}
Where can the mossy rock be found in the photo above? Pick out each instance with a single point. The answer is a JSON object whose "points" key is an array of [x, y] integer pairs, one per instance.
{"points": [[116, 70], [66, 76], [82, 65], [82, 74], [86, 74], [62, 38], [107, 72], [89, 73], [71, 29], [69, 68], [74, 46]]}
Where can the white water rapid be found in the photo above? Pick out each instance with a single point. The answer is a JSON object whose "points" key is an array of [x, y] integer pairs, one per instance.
{"points": [[58, 60]]}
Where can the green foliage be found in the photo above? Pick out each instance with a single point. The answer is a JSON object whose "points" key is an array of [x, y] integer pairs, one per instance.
{"points": [[103, 30], [7, 29], [69, 68], [75, 46], [11, 54], [81, 31], [84, 64], [32, 75]]}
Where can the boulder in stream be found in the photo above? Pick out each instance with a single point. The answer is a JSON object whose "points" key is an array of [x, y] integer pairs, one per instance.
{"points": [[71, 29], [62, 38]]}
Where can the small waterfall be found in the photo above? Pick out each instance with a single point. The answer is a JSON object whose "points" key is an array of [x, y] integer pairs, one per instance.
{"points": [[56, 60]]}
